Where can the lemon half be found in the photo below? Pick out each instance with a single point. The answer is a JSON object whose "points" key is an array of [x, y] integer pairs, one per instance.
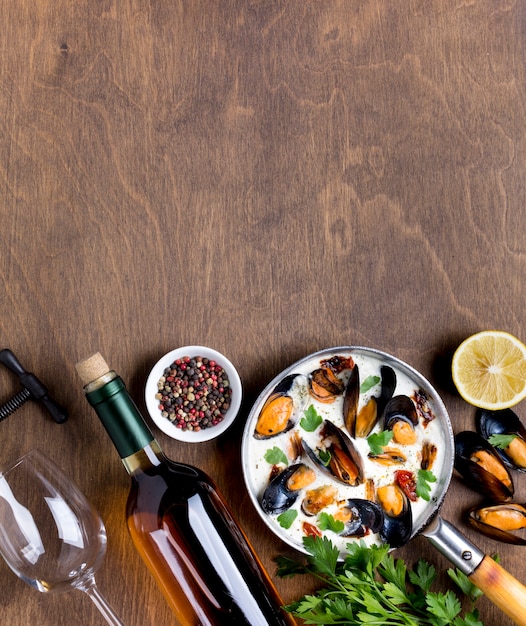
{"points": [[489, 370]]}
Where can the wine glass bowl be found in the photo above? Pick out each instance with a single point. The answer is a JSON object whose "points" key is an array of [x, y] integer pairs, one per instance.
{"points": [[50, 535]]}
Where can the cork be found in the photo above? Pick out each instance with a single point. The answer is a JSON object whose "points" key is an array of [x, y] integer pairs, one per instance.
{"points": [[91, 368]]}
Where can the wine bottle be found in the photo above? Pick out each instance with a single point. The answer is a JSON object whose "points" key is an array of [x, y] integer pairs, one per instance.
{"points": [[180, 523]]}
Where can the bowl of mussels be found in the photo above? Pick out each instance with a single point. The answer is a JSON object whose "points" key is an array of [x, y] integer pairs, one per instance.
{"points": [[349, 443]]}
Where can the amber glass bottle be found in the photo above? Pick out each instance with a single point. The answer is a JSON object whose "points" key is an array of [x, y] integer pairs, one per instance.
{"points": [[180, 523]]}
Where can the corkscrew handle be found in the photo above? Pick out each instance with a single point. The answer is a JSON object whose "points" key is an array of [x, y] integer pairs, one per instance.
{"points": [[33, 389]]}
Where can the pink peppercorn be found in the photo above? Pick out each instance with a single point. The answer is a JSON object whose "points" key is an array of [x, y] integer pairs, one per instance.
{"points": [[190, 395]]}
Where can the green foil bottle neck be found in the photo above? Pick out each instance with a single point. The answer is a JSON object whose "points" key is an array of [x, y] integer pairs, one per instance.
{"points": [[120, 416]]}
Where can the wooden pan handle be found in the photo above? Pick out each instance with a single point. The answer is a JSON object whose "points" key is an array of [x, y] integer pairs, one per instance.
{"points": [[501, 588], [497, 584]]}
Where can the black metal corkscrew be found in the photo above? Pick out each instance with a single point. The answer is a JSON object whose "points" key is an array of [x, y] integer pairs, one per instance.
{"points": [[32, 389]]}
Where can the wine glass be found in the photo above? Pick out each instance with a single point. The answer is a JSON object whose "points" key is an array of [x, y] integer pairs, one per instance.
{"points": [[50, 535]]}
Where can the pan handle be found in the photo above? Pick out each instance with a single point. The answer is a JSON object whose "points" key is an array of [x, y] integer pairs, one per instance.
{"points": [[498, 585]]}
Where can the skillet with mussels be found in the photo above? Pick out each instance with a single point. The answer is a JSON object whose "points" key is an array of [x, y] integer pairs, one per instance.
{"points": [[345, 445]]}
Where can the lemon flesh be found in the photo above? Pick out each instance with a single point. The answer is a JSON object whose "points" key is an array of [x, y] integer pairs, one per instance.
{"points": [[489, 370]]}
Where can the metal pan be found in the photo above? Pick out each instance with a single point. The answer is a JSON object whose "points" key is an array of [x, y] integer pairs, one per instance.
{"points": [[497, 584]]}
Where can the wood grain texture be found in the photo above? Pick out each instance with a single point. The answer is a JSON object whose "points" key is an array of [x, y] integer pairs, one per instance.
{"points": [[266, 178]]}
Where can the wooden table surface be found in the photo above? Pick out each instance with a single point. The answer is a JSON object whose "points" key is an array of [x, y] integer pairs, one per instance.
{"points": [[265, 178]]}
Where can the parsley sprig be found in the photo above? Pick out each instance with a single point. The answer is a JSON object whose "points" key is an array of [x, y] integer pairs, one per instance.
{"points": [[423, 488], [501, 441], [370, 587], [311, 420]]}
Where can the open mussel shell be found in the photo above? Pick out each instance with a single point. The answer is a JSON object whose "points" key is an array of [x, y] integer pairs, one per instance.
{"points": [[324, 385], [360, 422], [364, 517], [498, 521], [351, 399], [401, 417], [338, 457], [284, 488], [506, 422], [477, 461], [397, 524], [279, 413]]}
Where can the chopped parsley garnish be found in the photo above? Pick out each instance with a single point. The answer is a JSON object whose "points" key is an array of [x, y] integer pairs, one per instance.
{"points": [[287, 518], [423, 488], [369, 383], [275, 456], [312, 419], [377, 441], [501, 441]]}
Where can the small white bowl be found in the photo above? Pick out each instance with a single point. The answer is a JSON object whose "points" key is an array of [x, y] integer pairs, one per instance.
{"points": [[163, 423]]}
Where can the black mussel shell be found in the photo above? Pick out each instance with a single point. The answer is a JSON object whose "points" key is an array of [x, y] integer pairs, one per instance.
{"points": [[396, 531], [467, 443], [388, 376], [400, 408], [476, 519], [285, 384], [278, 497], [337, 445], [278, 414], [366, 517], [360, 423], [351, 398], [505, 422]]}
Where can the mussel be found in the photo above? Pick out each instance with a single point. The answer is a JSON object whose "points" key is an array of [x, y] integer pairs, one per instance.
{"points": [[498, 520], [478, 463], [279, 413], [429, 454], [360, 517], [319, 498], [389, 456], [397, 524], [337, 457], [284, 488], [351, 398], [360, 422], [506, 422], [401, 418], [324, 385]]}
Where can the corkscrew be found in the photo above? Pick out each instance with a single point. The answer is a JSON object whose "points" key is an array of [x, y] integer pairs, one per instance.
{"points": [[32, 389]]}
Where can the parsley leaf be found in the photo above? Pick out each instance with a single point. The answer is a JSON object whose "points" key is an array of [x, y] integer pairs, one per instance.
{"points": [[470, 619], [286, 519], [312, 419], [323, 554], [327, 522], [289, 567], [463, 582], [445, 606], [377, 441], [423, 489], [275, 455], [370, 587], [424, 575], [369, 383], [325, 457], [501, 441], [393, 571]]}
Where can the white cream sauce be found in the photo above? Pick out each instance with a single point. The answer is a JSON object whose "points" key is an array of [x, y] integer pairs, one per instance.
{"points": [[257, 469]]}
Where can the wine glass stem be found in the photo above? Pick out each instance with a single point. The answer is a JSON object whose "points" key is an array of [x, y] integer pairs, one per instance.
{"points": [[101, 603]]}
